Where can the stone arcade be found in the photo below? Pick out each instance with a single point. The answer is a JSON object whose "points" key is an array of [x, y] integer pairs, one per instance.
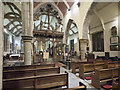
{"points": [[60, 44]]}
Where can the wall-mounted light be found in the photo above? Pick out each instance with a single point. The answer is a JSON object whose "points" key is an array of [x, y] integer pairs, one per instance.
{"points": [[68, 9], [78, 4]]}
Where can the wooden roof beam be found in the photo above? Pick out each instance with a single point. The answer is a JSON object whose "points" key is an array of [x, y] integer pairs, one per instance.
{"points": [[66, 4]]}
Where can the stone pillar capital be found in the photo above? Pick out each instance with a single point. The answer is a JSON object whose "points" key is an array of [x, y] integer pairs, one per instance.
{"points": [[83, 45], [83, 40], [27, 38]]}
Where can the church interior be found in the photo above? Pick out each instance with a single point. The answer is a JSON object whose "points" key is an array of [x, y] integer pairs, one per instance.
{"points": [[59, 45]]}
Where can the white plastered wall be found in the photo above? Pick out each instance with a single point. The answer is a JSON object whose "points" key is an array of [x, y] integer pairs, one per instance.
{"points": [[109, 14], [76, 43], [77, 14], [1, 42]]}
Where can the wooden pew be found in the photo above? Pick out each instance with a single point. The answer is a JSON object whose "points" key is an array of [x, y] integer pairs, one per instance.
{"points": [[30, 72], [37, 82], [97, 61], [87, 69], [52, 81], [104, 75], [112, 64], [115, 85], [34, 76], [99, 65], [27, 67], [117, 63], [76, 65]]}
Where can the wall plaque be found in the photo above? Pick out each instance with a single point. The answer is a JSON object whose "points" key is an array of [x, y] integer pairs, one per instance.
{"points": [[114, 40], [114, 31], [114, 47]]}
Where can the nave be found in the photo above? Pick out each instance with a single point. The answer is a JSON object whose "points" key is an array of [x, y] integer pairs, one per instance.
{"points": [[59, 45]]}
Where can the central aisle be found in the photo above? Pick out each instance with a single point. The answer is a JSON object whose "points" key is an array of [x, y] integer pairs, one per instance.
{"points": [[74, 80]]}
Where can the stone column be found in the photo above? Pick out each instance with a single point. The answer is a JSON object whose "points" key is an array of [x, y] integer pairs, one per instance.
{"points": [[83, 45], [53, 50], [27, 26], [119, 32], [27, 49], [39, 45], [1, 41]]}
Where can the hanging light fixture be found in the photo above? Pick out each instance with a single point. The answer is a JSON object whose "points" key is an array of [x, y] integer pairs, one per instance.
{"points": [[78, 4]]}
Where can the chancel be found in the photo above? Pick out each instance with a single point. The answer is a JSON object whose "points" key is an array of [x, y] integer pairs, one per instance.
{"points": [[59, 45]]}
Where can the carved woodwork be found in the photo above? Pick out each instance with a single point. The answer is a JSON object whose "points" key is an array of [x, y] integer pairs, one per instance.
{"points": [[48, 33]]}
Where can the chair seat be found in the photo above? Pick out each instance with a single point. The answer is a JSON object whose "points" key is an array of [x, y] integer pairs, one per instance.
{"points": [[88, 78], [107, 87]]}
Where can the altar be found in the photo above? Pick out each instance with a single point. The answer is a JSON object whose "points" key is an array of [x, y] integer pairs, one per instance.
{"points": [[14, 56]]}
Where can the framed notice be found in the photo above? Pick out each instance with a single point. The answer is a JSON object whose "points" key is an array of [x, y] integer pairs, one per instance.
{"points": [[115, 47], [45, 55], [114, 40]]}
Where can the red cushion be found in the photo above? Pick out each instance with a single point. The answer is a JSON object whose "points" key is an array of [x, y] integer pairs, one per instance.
{"points": [[88, 78], [107, 86]]}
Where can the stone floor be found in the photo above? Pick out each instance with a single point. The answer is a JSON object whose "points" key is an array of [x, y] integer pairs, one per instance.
{"points": [[74, 80]]}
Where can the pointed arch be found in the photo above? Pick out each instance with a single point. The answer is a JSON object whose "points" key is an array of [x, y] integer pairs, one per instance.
{"points": [[70, 28], [87, 20], [52, 3]]}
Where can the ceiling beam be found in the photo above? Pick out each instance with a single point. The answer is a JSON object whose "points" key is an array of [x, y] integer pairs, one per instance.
{"points": [[15, 18], [72, 31], [72, 27], [58, 2], [15, 7], [12, 13], [12, 29], [66, 4], [18, 30], [18, 33], [11, 22]]}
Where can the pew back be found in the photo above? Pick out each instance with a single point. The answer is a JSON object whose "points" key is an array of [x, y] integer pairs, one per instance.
{"points": [[27, 82], [85, 68], [104, 75], [45, 81], [88, 67], [29, 72], [27, 67], [52, 81], [76, 65], [99, 65]]}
